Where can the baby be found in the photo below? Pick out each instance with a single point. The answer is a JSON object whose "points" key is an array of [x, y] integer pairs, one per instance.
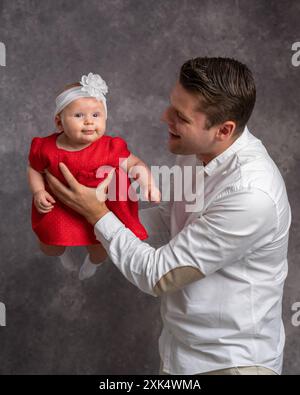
{"points": [[81, 144]]}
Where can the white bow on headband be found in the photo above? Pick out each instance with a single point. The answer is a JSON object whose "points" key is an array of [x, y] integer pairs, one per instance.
{"points": [[92, 86]]}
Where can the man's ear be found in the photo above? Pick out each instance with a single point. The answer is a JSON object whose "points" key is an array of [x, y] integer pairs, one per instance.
{"points": [[226, 131], [58, 123]]}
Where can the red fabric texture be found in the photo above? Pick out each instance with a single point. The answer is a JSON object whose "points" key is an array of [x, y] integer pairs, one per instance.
{"points": [[63, 226]]}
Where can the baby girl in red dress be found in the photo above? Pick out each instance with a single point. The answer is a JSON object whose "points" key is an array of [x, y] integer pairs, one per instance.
{"points": [[82, 145]]}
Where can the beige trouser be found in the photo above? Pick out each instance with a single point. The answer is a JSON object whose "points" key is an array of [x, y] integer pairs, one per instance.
{"points": [[243, 370]]}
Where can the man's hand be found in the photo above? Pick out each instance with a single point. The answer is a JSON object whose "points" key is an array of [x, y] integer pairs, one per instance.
{"points": [[151, 193], [80, 198]]}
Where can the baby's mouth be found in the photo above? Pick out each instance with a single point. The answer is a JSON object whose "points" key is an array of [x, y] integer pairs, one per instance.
{"points": [[89, 131]]}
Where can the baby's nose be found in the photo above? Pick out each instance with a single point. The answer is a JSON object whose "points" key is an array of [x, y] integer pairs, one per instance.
{"points": [[88, 120]]}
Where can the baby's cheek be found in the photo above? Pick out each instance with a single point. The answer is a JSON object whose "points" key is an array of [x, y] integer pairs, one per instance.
{"points": [[101, 126]]}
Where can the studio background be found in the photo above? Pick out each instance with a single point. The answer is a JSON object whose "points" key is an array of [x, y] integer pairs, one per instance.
{"points": [[55, 323]]}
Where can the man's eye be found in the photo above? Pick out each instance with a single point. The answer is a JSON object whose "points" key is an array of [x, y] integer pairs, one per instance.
{"points": [[180, 117]]}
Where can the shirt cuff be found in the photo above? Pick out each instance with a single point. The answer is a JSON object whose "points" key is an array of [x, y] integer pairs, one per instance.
{"points": [[107, 226]]}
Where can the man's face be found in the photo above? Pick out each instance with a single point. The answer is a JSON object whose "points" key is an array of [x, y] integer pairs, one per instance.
{"points": [[187, 132], [83, 120]]}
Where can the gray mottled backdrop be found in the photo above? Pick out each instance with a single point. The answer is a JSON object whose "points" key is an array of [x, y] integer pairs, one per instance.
{"points": [[56, 324]]}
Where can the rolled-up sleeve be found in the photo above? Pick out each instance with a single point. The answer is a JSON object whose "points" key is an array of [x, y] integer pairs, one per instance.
{"points": [[231, 227]]}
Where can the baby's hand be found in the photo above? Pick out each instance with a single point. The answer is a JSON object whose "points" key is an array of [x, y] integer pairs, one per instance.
{"points": [[43, 201], [152, 194]]}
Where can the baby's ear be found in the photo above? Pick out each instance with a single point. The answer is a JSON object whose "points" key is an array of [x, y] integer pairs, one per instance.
{"points": [[58, 122]]}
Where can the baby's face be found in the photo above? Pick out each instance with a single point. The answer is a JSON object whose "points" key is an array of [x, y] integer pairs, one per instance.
{"points": [[83, 121]]}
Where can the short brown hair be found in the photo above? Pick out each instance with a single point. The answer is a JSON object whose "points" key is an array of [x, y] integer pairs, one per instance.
{"points": [[225, 87]]}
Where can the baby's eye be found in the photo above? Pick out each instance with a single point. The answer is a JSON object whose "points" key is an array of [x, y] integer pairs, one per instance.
{"points": [[78, 114], [96, 114]]}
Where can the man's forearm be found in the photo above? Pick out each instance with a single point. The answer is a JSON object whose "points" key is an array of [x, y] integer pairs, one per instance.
{"points": [[152, 270]]}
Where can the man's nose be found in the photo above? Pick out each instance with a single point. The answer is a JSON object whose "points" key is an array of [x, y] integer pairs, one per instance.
{"points": [[164, 116]]}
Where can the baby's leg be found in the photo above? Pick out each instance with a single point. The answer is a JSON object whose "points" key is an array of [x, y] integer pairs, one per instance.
{"points": [[51, 250], [97, 253]]}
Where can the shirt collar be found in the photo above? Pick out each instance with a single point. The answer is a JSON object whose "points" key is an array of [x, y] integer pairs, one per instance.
{"points": [[240, 142]]}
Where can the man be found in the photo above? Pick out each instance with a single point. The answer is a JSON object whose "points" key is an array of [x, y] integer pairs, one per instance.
{"points": [[221, 273]]}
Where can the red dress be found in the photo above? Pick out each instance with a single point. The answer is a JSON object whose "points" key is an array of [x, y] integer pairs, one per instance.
{"points": [[63, 226]]}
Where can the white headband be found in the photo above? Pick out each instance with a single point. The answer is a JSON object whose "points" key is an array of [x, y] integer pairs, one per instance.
{"points": [[92, 86]]}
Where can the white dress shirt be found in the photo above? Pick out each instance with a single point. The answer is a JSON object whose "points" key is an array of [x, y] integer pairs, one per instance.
{"points": [[219, 271]]}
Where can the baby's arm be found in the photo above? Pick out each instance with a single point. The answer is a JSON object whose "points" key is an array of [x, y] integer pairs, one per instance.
{"points": [[43, 201], [138, 169]]}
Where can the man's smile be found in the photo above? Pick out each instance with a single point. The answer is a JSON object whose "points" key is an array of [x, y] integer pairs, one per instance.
{"points": [[173, 135]]}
